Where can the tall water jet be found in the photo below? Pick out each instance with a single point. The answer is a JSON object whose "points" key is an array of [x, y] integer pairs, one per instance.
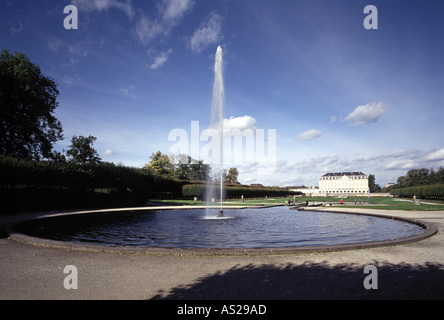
{"points": [[217, 111]]}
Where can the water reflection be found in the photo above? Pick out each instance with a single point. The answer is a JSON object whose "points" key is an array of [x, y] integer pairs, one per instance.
{"points": [[249, 228]]}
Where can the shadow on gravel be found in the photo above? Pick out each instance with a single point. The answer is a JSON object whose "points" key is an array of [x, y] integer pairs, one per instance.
{"points": [[314, 281]]}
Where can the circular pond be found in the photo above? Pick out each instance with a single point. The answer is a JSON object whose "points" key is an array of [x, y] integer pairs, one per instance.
{"points": [[247, 228]]}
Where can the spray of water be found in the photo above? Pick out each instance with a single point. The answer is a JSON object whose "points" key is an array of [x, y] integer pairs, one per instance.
{"points": [[217, 111]]}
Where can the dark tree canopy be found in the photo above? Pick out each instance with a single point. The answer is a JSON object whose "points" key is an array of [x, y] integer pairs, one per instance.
{"points": [[372, 184], [28, 99], [232, 175], [81, 150]]}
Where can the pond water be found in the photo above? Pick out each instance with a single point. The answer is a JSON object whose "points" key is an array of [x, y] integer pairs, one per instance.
{"points": [[246, 228]]}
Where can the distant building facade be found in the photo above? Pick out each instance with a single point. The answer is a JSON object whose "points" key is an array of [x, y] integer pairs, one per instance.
{"points": [[348, 183]]}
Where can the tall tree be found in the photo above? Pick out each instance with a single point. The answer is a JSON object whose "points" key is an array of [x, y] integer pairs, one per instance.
{"points": [[187, 168], [81, 150], [440, 175], [418, 176], [232, 175], [161, 165], [28, 99], [182, 166], [372, 184], [200, 171]]}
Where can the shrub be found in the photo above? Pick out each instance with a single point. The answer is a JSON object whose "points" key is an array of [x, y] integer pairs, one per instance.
{"points": [[233, 192], [27, 185], [432, 192]]}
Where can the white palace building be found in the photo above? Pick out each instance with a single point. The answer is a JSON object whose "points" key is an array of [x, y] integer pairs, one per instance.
{"points": [[344, 183]]}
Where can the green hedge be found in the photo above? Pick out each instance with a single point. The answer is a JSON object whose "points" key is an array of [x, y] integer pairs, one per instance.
{"points": [[234, 192], [35, 186], [41, 186], [431, 192]]}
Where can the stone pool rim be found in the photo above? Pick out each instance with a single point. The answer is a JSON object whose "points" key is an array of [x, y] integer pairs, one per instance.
{"points": [[429, 230]]}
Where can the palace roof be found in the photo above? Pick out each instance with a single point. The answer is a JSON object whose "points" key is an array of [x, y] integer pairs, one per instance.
{"points": [[340, 174]]}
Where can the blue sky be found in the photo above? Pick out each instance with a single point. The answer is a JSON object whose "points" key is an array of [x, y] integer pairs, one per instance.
{"points": [[341, 97]]}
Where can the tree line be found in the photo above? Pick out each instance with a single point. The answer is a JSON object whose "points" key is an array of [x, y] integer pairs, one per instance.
{"points": [[184, 167], [420, 177], [30, 185], [422, 183]]}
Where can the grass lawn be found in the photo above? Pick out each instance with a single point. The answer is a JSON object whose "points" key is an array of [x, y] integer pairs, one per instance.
{"points": [[385, 203], [369, 203], [247, 202]]}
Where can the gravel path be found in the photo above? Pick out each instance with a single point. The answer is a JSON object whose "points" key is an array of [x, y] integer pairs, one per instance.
{"points": [[412, 271]]}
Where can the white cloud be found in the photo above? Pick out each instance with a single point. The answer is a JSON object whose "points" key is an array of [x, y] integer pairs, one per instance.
{"points": [[71, 80], [309, 135], [209, 32], [146, 29], [175, 9], [79, 50], [415, 159], [248, 180], [400, 164], [398, 153], [54, 44], [169, 15], [16, 27], [384, 156], [237, 123], [241, 123], [128, 92], [161, 59], [435, 156], [370, 113], [385, 166], [108, 152], [104, 5]]}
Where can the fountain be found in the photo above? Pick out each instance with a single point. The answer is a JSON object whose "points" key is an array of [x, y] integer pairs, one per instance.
{"points": [[275, 228], [217, 120]]}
